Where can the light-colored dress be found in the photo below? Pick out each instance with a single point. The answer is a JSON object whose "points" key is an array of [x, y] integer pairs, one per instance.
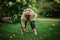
{"points": [[32, 14]]}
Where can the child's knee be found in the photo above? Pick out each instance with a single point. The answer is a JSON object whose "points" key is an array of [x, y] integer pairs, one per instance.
{"points": [[32, 24]]}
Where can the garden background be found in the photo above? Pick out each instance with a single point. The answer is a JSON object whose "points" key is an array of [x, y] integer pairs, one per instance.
{"points": [[47, 22]]}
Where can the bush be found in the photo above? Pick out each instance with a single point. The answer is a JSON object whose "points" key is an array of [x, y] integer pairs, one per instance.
{"points": [[50, 10]]}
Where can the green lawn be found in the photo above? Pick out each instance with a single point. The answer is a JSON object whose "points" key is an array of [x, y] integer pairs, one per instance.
{"points": [[47, 30]]}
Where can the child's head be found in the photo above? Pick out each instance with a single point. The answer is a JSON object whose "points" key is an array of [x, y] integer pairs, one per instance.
{"points": [[28, 10]]}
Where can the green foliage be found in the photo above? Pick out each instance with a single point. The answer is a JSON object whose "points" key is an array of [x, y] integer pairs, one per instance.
{"points": [[35, 10], [45, 8], [9, 8], [15, 18], [50, 9]]}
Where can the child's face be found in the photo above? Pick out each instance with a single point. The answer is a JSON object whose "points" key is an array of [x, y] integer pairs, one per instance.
{"points": [[27, 17], [28, 12]]}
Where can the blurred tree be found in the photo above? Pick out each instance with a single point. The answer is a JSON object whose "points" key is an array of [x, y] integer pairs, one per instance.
{"points": [[8, 8], [58, 1], [48, 8]]}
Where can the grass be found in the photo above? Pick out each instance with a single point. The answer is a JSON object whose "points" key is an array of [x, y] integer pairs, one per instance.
{"points": [[47, 30]]}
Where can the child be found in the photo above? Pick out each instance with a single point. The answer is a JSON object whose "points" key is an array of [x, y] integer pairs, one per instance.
{"points": [[27, 17]]}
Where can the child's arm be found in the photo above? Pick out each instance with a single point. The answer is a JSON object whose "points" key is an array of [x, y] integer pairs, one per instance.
{"points": [[33, 16], [23, 23]]}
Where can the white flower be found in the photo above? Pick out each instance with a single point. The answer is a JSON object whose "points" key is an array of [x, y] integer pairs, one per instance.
{"points": [[11, 37], [14, 35], [17, 0], [53, 24], [10, 3], [50, 28]]}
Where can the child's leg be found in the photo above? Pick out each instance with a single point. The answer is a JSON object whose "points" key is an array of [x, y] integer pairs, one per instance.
{"points": [[33, 27], [25, 24]]}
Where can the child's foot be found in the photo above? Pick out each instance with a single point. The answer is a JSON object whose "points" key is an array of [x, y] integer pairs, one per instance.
{"points": [[21, 32], [35, 33]]}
